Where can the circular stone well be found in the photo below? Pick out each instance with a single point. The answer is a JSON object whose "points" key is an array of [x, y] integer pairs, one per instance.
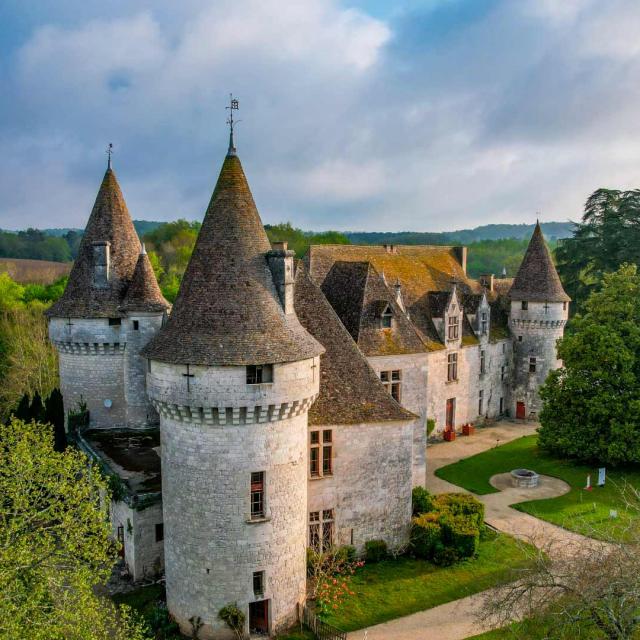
{"points": [[524, 478]]}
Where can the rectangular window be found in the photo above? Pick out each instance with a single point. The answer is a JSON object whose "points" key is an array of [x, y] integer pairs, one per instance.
{"points": [[484, 323], [392, 381], [258, 583], [480, 402], [564, 306], [259, 373], [519, 338], [321, 453], [160, 532], [257, 495], [501, 406], [454, 327], [321, 529], [532, 365], [136, 325], [387, 318], [148, 366], [483, 362], [502, 372], [452, 367], [115, 322], [525, 305], [504, 347]]}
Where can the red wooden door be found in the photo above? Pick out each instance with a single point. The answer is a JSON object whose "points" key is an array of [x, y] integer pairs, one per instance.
{"points": [[451, 414], [259, 616], [521, 412]]}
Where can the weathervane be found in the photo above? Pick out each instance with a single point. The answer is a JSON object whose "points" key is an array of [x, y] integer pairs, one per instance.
{"points": [[233, 104], [109, 152]]}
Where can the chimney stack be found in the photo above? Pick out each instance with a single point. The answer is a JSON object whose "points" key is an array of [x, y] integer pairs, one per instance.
{"points": [[280, 260], [101, 262], [398, 290]]}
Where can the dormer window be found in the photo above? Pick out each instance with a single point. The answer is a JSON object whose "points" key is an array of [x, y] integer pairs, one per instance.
{"points": [[387, 318], [454, 327], [259, 373]]}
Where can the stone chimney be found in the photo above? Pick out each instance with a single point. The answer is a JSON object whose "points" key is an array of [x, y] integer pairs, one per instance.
{"points": [[280, 260], [487, 281], [398, 289], [101, 262], [461, 256]]}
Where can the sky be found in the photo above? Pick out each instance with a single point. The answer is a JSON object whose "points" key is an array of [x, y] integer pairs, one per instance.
{"points": [[381, 115]]}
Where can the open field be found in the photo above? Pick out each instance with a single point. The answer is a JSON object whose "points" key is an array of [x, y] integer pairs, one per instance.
{"points": [[586, 512], [38, 271]]}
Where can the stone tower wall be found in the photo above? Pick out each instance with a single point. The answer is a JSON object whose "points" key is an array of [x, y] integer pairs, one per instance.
{"points": [[140, 411], [91, 367], [213, 436], [535, 332]]}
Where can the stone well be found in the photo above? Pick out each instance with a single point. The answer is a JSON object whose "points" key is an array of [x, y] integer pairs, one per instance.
{"points": [[524, 478]]}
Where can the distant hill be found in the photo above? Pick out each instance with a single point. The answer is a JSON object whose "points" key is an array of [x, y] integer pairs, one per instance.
{"points": [[552, 231], [142, 227]]}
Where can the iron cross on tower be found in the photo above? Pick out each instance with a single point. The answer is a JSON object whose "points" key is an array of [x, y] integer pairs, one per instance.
{"points": [[233, 104]]}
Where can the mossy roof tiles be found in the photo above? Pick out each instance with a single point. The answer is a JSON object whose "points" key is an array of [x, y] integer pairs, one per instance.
{"points": [[144, 293], [227, 311]]}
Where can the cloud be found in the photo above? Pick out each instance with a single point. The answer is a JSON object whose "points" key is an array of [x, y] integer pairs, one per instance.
{"points": [[431, 115]]}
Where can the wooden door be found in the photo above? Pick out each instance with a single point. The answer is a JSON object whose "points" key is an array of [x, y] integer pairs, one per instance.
{"points": [[451, 414], [259, 616], [521, 411]]}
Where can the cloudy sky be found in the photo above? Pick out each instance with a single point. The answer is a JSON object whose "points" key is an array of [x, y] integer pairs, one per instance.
{"points": [[362, 115]]}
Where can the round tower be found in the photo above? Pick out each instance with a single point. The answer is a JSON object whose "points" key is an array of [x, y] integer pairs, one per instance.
{"points": [[233, 374], [539, 312], [86, 325]]}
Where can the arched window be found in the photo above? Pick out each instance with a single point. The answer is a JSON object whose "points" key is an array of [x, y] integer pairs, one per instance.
{"points": [[386, 318]]}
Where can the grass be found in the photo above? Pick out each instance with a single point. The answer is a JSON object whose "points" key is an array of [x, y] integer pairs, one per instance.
{"points": [[395, 588], [297, 635], [579, 510]]}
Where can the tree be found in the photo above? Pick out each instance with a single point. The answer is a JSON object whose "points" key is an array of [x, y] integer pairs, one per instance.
{"points": [[54, 415], [36, 410], [591, 406], [579, 589], [23, 410], [607, 237], [54, 543]]}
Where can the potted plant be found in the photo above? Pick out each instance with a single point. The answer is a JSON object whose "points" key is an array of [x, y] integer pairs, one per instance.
{"points": [[468, 429], [449, 435]]}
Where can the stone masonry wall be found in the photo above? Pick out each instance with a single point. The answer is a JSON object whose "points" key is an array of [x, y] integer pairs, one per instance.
{"points": [[370, 489]]}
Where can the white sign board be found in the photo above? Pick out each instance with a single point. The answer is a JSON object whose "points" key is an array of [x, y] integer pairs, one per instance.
{"points": [[602, 476]]}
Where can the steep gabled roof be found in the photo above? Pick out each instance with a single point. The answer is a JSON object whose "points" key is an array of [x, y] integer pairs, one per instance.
{"points": [[228, 311], [109, 221], [537, 278], [350, 391], [144, 293]]}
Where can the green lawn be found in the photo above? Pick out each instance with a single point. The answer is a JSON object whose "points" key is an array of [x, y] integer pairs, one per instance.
{"points": [[395, 588], [297, 635], [579, 510]]}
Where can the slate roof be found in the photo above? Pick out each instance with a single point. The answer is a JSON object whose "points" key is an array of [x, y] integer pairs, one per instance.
{"points": [[144, 293], [537, 278], [227, 311], [350, 391], [109, 221]]}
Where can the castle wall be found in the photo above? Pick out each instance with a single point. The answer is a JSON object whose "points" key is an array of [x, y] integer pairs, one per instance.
{"points": [[213, 437], [535, 332], [143, 554], [91, 366], [370, 489]]}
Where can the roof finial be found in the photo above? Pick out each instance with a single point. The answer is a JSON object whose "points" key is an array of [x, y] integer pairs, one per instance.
{"points": [[109, 152], [233, 104], [143, 249]]}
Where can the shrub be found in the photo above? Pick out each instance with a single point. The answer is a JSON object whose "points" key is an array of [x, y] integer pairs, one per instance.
{"points": [[444, 556], [461, 533], [431, 425], [345, 553], [234, 618], [162, 624], [375, 550], [461, 504], [426, 533], [421, 501]]}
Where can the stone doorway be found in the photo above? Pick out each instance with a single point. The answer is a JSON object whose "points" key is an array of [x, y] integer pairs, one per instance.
{"points": [[259, 617]]}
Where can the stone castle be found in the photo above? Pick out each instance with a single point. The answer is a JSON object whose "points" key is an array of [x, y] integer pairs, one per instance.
{"points": [[281, 405]]}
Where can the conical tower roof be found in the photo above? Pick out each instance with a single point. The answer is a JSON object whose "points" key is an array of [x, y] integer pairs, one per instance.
{"points": [[109, 221], [228, 311], [144, 293], [537, 278]]}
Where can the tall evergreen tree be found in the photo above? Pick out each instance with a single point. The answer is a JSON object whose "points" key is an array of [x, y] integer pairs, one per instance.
{"points": [[22, 411], [36, 410], [54, 414]]}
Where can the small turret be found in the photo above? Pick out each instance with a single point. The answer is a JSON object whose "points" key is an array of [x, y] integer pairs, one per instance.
{"points": [[539, 312]]}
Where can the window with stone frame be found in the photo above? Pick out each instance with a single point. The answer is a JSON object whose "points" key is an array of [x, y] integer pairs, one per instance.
{"points": [[258, 583], [452, 367], [320, 453], [257, 495], [453, 330], [483, 362], [532, 364], [484, 323], [524, 305], [321, 529], [480, 402], [386, 319], [564, 306], [259, 373], [392, 381]]}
